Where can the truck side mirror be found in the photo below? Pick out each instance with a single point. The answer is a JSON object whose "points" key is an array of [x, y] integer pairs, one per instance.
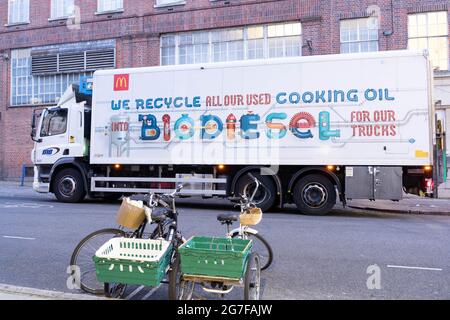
{"points": [[33, 128]]}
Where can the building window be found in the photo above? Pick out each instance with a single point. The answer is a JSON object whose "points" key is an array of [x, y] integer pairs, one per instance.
{"points": [[284, 40], [168, 47], [254, 42], [227, 45], [28, 89], [19, 11], [109, 5], [430, 31], [359, 35], [62, 9], [194, 48]]}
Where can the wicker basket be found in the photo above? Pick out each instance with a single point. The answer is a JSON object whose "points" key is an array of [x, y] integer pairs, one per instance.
{"points": [[251, 217], [131, 214]]}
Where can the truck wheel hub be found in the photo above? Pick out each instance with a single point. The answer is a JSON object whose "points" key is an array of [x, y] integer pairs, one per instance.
{"points": [[67, 186], [314, 195]]}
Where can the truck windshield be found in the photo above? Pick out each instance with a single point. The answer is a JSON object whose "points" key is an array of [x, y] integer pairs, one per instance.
{"points": [[54, 122]]}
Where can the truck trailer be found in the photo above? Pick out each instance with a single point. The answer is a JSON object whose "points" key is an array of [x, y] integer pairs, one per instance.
{"points": [[314, 130]]}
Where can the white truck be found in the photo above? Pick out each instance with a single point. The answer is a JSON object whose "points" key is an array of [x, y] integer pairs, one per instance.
{"points": [[312, 129]]}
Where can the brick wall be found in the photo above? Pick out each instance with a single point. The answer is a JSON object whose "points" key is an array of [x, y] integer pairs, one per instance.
{"points": [[138, 27]]}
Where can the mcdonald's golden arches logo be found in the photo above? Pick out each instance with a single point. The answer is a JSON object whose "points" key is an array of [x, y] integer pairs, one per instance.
{"points": [[121, 82]]}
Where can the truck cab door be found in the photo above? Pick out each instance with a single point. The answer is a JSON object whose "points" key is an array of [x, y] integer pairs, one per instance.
{"points": [[76, 131], [53, 136]]}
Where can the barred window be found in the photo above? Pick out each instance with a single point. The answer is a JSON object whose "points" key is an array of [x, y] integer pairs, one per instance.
{"points": [[30, 88], [359, 35], [430, 31], [253, 42]]}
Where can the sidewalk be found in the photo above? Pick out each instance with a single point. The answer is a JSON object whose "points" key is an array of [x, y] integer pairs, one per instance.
{"points": [[410, 204], [8, 292]]}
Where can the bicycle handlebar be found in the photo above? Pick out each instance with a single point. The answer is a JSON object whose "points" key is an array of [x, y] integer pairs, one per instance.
{"points": [[155, 198]]}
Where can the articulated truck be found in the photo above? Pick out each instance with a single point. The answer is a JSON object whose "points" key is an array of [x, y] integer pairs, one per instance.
{"points": [[314, 130]]}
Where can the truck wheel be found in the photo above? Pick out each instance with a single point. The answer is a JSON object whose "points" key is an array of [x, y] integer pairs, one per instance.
{"points": [[69, 186], [314, 195], [265, 196]]}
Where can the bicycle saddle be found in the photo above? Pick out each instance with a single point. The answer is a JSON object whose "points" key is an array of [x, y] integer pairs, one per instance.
{"points": [[227, 217], [160, 214]]}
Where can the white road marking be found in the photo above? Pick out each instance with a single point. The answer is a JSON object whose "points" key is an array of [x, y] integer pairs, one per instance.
{"points": [[151, 292], [18, 238], [135, 292], [415, 268], [26, 205]]}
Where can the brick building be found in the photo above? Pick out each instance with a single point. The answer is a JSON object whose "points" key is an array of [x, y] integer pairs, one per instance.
{"points": [[47, 44]]}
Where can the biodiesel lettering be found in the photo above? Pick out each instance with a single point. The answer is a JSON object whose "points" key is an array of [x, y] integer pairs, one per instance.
{"points": [[276, 130], [184, 127], [210, 127], [149, 129]]}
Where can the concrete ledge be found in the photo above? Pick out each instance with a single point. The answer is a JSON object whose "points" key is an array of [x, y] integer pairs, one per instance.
{"points": [[411, 205], [9, 292], [404, 211]]}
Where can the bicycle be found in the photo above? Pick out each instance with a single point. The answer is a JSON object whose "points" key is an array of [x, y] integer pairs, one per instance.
{"points": [[209, 254], [166, 220], [260, 244]]}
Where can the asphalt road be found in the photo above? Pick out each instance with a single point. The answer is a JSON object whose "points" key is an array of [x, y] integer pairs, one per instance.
{"points": [[315, 257]]}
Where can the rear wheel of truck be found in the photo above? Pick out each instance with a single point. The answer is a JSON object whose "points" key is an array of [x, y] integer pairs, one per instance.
{"points": [[265, 196], [314, 195], [69, 186]]}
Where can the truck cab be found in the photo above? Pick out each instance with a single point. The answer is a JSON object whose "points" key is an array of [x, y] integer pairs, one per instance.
{"points": [[60, 134]]}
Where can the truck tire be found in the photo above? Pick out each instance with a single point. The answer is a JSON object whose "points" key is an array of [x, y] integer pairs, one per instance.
{"points": [[68, 186], [265, 197], [314, 195]]}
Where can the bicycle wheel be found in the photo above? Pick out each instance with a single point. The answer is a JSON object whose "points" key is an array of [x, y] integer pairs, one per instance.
{"points": [[82, 258], [178, 288], [261, 247], [114, 290], [252, 280]]}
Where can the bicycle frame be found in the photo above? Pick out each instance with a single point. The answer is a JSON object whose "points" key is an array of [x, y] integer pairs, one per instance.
{"points": [[242, 230], [171, 223], [245, 204]]}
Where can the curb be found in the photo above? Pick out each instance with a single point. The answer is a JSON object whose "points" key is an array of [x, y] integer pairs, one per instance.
{"points": [[23, 292], [411, 211]]}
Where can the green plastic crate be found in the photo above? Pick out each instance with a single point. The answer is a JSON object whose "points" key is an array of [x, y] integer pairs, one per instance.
{"points": [[215, 257], [133, 261]]}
